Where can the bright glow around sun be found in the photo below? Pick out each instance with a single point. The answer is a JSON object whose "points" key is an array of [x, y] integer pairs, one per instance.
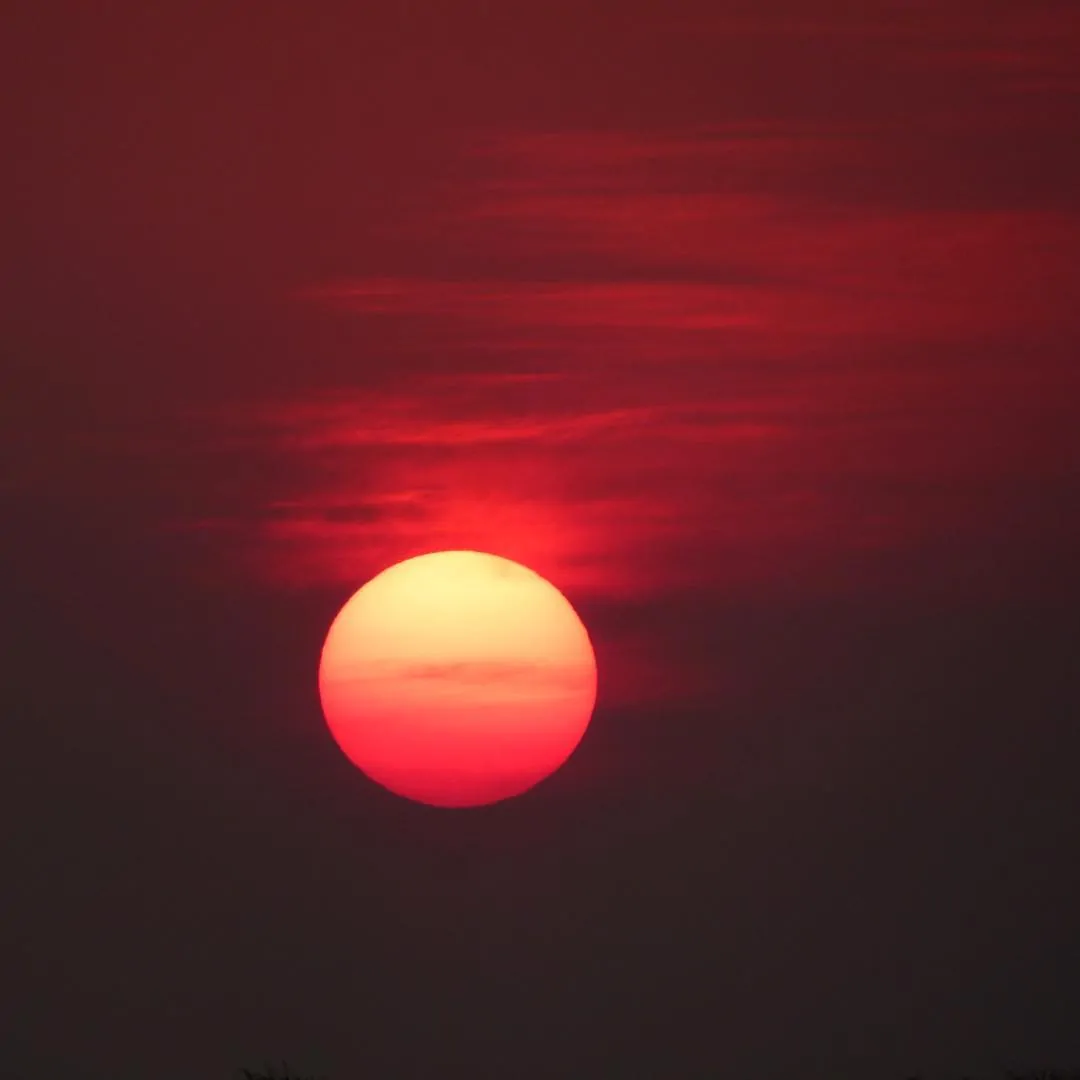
{"points": [[457, 678]]}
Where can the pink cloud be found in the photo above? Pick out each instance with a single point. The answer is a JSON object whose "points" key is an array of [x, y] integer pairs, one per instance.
{"points": [[750, 387], [615, 305]]}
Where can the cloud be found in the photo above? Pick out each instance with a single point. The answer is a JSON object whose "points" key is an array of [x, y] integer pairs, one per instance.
{"points": [[724, 378], [536, 305], [774, 273], [506, 675]]}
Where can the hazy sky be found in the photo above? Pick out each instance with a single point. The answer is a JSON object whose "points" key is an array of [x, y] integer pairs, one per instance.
{"points": [[751, 326]]}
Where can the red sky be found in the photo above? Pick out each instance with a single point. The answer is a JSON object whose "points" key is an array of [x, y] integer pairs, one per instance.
{"points": [[792, 289], [753, 326]]}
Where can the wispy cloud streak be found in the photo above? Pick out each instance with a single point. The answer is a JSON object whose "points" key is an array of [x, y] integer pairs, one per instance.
{"points": [[781, 348]]}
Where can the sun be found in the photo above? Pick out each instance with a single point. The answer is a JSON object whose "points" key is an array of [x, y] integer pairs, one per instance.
{"points": [[457, 678]]}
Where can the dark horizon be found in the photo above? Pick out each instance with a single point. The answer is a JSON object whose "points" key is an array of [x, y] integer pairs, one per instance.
{"points": [[751, 327], [284, 1072]]}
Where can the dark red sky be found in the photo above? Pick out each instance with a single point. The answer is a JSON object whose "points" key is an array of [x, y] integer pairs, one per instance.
{"points": [[752, 326]]}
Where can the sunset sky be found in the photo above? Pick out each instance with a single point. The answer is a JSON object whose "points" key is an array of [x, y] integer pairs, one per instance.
{"points": [[751, 326]]}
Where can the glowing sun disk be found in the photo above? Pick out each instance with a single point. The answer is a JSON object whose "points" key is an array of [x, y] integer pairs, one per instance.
{"points": [[457, 678]]}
